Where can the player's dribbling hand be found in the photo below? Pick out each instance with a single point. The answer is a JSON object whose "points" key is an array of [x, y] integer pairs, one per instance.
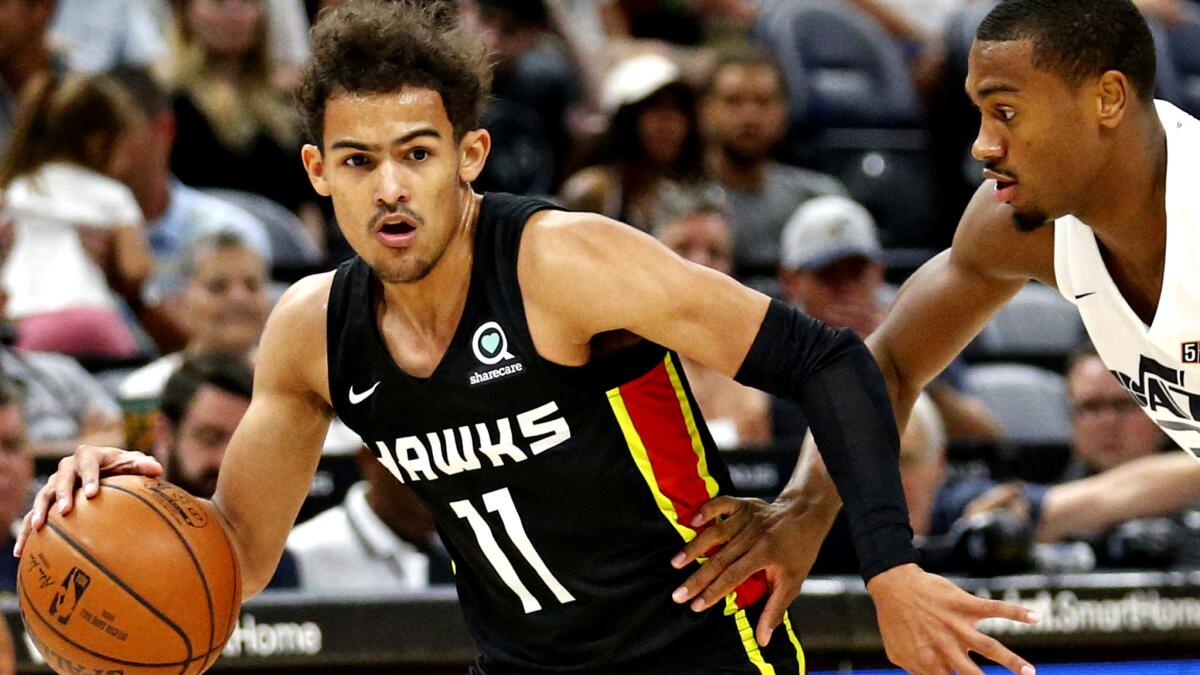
{"points": [[8, 656], [780, 538], [929, 625], [86, 466]]}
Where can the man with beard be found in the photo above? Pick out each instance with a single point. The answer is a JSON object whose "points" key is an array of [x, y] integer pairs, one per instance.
{"points": [[202, 403], [743, 113]]}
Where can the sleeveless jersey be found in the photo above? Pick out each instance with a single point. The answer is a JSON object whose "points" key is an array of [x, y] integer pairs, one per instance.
{"points": [[561, 493], [1158, 364]]}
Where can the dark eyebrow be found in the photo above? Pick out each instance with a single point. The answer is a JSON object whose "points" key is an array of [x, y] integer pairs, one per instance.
{"points": [[995, 89], [365, 147]]}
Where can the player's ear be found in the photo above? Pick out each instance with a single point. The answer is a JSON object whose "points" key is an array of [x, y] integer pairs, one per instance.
{"points": [[314, 164], [1114, 95], [473, 152]]}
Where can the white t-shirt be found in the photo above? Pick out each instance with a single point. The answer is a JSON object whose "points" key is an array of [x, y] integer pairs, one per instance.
{"points": [[48, 269]]}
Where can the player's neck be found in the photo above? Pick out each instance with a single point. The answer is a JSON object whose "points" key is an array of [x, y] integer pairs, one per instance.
{"points": [[433, 305], [1129, 212]]}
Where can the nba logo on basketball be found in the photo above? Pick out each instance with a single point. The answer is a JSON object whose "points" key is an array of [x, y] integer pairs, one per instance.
{"points": [[1191, 352]]}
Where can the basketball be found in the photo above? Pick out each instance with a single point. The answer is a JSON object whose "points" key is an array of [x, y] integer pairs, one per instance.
{"points": [[140, 579]]}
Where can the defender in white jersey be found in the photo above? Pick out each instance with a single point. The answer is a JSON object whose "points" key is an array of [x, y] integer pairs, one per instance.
{"points": [[1092, 187]]}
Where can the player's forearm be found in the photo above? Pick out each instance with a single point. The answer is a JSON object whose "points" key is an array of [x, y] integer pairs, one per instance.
{"points": [[257, 555], [1145, 488], [834, 378], [810, 489]]}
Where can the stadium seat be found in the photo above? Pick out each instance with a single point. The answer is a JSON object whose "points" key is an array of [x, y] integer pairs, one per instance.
{"points": [[291, 244], [1029, 402], [1038, 324], [1179, 54]]}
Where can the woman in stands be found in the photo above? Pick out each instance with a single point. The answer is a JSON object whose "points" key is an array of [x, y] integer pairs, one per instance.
{"points": [[235, 128], [653, 137], [75, 246]]}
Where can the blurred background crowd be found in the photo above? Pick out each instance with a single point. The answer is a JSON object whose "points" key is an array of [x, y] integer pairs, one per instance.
{"points": [[153, 206]]}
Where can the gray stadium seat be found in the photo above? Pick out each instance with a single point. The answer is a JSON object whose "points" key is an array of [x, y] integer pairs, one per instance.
{"points": [[1182, 58], [291, 244], [1037, 323], [1029, 402]]}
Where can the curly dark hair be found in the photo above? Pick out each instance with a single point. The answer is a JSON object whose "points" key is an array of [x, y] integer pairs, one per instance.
{"points": [[381, 46]]}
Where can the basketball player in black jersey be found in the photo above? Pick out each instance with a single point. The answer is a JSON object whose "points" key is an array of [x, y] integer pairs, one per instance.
{"points": [[516, 366]]}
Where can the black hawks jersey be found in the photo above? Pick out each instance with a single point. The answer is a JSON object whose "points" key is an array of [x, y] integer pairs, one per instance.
{"points": [[560, 492]]}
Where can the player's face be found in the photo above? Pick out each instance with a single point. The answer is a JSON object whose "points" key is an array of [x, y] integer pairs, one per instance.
{"points": [[702, 238], [1109, 429], [16, 464], [745, 113], [227, 299], [1036, 136], [398, 178], [201, 439]]}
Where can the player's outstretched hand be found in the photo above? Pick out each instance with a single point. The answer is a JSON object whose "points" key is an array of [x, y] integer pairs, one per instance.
{"points": [[780, 538], [929, 624], [86, 466]]}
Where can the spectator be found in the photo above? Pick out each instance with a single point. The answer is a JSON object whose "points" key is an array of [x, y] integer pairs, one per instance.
{"points": [[24, 55], [381, 538], [63, 406], [743, 115], [832, 268], [202, 403], [97, 35], [176, 214], [533, 84], [652, 139], [16, 484], [235, 129], [79, 246], [224, 306], [693, 222]]}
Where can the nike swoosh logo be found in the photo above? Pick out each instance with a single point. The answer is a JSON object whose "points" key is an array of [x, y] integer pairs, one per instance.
{"points": [[355, 399], [1084, 295]]}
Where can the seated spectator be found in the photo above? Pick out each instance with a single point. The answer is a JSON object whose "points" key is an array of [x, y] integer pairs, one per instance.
{"points": [[222, 307], [693, 223], [832, 268], [1118, 472], [25, 55], [381, 538], [202, 404], [652, 139], [97, 35], [176, 215], [79, 246], [62, 405], [16, 483], [235, 129], [743, 115]]}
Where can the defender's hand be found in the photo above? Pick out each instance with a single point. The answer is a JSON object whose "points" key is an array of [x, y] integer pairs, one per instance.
{"points": [[929, 624], [86, 466], [780, 538]]}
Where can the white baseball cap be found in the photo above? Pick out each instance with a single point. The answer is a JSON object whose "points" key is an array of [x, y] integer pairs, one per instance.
{"points": [[826, 229], [634, 79]]}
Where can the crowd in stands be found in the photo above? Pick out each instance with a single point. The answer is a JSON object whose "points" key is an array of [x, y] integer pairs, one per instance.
{"points": [[153, 205]]}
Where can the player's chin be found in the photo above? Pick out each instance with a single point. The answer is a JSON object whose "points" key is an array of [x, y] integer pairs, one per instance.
{"points": [[1029, 219]]}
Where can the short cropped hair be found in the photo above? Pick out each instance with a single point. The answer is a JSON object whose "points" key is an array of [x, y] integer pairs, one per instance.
{"points": [[1079, 39], [224, 370], [381, 46]]}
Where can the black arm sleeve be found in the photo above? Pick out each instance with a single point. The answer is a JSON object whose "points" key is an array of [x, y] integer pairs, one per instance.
{"points": [[833, 376]]}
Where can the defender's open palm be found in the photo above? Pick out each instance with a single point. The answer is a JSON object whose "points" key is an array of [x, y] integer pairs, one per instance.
{"points": [[85, 466]]}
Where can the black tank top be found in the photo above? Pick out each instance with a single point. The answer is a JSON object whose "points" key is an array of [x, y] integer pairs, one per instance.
{"points": [[561, 493]]}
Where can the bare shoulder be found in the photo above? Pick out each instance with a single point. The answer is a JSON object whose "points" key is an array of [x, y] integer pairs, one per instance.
{"points": [[292, 352], [988, 243], [570, 243]]}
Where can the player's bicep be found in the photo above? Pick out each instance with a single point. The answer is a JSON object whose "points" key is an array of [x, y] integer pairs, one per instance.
{"points": [[937, 312], [596, 275]]}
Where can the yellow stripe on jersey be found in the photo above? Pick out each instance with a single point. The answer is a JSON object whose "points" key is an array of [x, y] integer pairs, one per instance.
{"points": [[697, 444], [787, 624], [642, 460], [746, 632]]}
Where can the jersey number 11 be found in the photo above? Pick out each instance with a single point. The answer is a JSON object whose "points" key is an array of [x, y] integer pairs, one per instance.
{"points": [[500, 501]]}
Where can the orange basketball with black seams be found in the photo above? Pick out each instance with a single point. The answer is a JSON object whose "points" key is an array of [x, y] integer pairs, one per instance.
{"points": [[140, 579]]}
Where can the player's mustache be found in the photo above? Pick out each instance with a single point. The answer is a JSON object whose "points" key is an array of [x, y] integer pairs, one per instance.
{"points": [[992, 166], [386, 211]]}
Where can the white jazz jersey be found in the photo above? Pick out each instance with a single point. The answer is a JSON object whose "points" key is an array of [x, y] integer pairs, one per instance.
{"points": [[1158, 364]]}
